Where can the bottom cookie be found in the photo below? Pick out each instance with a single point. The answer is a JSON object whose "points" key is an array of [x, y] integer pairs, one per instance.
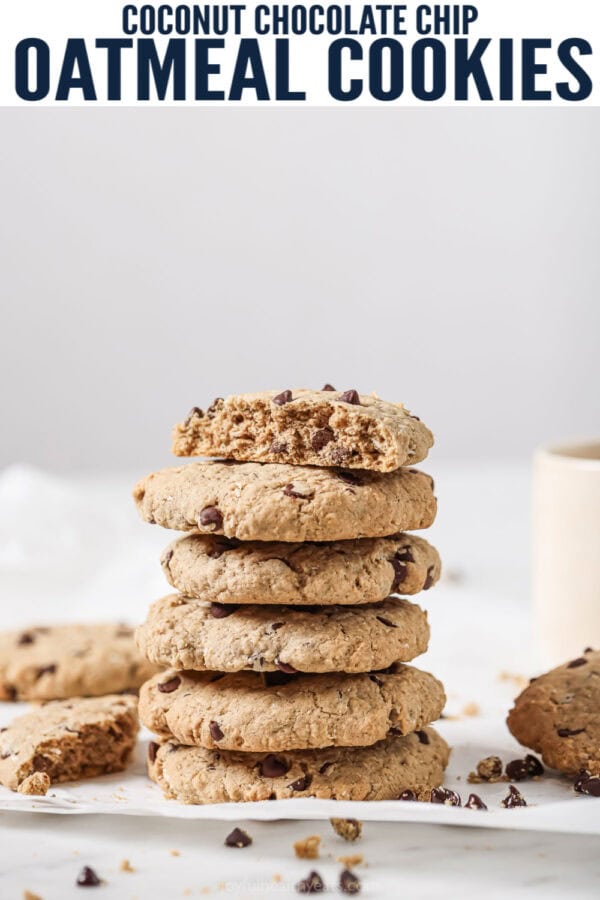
{"points": [[379, 772]]}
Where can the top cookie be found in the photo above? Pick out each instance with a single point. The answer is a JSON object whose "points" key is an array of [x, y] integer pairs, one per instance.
{"points": [[274, 502], [60, 661], [558, 715], [300, 427]]}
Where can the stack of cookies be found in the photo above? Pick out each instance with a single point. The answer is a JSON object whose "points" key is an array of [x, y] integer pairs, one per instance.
{"points": [[285, 649]]}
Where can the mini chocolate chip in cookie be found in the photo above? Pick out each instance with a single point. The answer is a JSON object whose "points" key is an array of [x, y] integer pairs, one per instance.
{"points": [[88, 878], [475, 802], [215, 731], [26, 638], [278, 447], [328, 387], [514, 798], [400, 573], [214, 406], [167, 687], [575, 663], [350, 397], [299, 491], [407, 795], [323, 768], [166, 558], [46, 670], [211, 515], [282, 398], [285, 667], [385, 621], [312, 884], [349, 882], [273, 766], [300, 784], [423, 737], [238, 838], [152, 750], [221, 545], [429, 579], [340, 454], [569, 732], [321, 437], [194, 413], [275, 626], [349, 477], [222, 610]]}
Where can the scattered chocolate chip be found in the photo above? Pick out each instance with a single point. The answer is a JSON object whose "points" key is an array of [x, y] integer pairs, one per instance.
{"points": [[215, 732], [404, 555], [429, 579], [167, 687], [222, 610], [407, 795], [26, 638], [586, 783], [569, 732], [211, 515], [300, 784], [575, 663], [534, 766], [285, 667], [313, 884], [349, 882], [221, 545], [282, 398], [445, 796], [475, 802], [152, 750], [400, 572], [46, 670], [238, 838], [515, 798], [275, 679], [87, 878], [273, 766], [324, 767], [517, 770], [385, 621], [214, 406], [350, 397], [321, 438], [278, 447], [328, 387], [194, 413], [423, 737], [301, 492], [349, 477]]}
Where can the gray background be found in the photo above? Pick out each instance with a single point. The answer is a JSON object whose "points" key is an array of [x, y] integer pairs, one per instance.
{"points": [[152, 259]]}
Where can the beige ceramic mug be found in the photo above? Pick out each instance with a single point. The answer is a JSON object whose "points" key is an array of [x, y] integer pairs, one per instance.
{"points": [[566, 550]]}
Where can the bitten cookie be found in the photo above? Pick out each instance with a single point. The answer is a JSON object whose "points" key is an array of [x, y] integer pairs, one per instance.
{"points": [[558, 715], [379, 772], [183, 633], [242, 712], [343, 572], [53, 663], [319, 428], [273, 502], [69, 739]]}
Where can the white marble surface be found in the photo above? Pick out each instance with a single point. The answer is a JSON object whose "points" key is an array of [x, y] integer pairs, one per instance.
{"points": [[82, 553]]}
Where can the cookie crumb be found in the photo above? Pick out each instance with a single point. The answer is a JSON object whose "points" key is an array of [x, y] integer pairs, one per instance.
{"points": [[36, 784], [350, 861], [276, 878], [29, 895], [125, 866], [518, 680], [348, 829], [471, 709], [488, 769], [174, 852], [308, 848]]}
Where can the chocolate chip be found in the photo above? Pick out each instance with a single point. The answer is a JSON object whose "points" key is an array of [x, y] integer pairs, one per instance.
{"points": [[301, 492], [349, 882], [575, 663], [324, 767], [534, 766], [385, 621], [222, 610], [215, 732], [26, 638], [414, 417], [300, 784], [404, 555], [152, 750], [569, 732], [586, 783], [285, 667], [588, 650], [166, 559], [87, 878], [313, 884], [515, 798], [40, 763], [429, 579], [282, 398], [350, 397], [445, 796], [475, 802], [46, 670], [195, 412], [328, 387], [349, 477], [321, 438], [273, 767], [211, 515], [278, 447], [221, 545], [517, 770], [407, 795], [167, 687], [238, 838], [214, 406], [423, 737]]}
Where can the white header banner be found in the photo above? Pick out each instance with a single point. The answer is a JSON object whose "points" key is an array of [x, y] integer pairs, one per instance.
{"points": [[487, 53]]}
